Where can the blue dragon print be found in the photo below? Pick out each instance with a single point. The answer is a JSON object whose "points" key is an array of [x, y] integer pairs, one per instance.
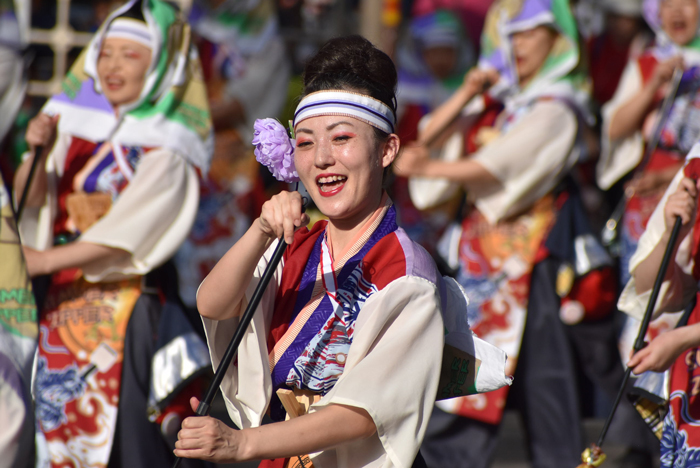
{"points": [[675, 452], [323, 360], [54, 389]]}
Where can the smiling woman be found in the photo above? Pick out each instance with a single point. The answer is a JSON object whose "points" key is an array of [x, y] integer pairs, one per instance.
{"points": [[351, 323]]}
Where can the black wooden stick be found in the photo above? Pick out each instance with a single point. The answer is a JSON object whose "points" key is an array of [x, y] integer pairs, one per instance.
{"points": [[246, 318], [639, 342], [25, 192]]}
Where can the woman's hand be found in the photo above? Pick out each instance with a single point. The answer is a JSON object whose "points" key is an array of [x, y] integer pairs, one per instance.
{"points": [[41, 131], [282, 215], [683, 203], [412, 160], [206, 438], [651, 181], [658, 355], [35, 261], [479, 80], [664, 71]]}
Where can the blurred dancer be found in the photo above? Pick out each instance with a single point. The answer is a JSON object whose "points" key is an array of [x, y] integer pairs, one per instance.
{"points": [[18, 327], [514, 250], [677, 349], [630, 119], [432, 58], [114, 195], [623, 38], [244, 49], [246, 72], [471, 12]]}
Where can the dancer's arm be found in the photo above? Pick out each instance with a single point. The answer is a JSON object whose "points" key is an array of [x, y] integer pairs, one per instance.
{"points": [[476, 82], [630, 116], [207, 438], [681, 203], [41, 132], [415, 161], [75, 255], [220, 294], [665, 349]]}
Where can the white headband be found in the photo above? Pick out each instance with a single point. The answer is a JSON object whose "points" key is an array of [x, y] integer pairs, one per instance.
{"points": [[337, 102], [131, 29]]}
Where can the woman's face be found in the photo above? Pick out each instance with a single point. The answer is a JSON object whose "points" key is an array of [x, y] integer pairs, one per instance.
{"points": [[341, 164], [679, 19], [530, 50], [441, 60], [122, 68]]}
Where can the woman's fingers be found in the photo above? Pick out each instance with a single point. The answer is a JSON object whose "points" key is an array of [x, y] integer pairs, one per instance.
{"points": [[208, 439], [289, 219], [637, 357], [194, 403], [410, 161], [689, 186], [641, 361], [41, 130], [664, 71], [282, 215], [34, 260], [682, 203]]}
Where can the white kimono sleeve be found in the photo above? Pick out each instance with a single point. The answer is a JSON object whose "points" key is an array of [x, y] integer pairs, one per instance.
{"points": [[529, 160], [392, 372], [619, 157], [677, 291], [426, 192], [151, 217]]}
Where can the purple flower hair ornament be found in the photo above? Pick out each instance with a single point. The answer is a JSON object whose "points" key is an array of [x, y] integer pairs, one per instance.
{"points": [[274, 149]]}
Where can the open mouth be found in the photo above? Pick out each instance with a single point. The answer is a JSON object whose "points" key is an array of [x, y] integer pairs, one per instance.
{"points": [[114, 83], [329, 185], [679, 25]]}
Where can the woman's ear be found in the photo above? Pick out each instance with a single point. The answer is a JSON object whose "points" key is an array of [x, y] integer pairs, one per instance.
{"points": [[391, 149]]}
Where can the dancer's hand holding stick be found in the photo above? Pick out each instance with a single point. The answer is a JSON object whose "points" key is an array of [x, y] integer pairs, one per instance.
{"points": [[40, 136], [415, 154], [476, 82], [680, 212]]}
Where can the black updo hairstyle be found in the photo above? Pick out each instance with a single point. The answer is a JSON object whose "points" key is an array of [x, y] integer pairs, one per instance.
{"points": [[352, 63]]}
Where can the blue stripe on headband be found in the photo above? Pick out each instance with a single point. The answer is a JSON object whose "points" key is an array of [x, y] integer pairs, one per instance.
{"points": [[359, 106], [345, 103]]}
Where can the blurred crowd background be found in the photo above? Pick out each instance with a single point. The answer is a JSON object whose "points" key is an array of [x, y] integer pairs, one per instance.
{"points": [[252, 54]]}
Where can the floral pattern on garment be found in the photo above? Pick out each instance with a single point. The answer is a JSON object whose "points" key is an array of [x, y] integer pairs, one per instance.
{"points": [[322, 362], [675, 449]]}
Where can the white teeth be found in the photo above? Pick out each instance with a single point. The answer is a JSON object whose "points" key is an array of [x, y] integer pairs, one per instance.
{"points": [[331, 179]]}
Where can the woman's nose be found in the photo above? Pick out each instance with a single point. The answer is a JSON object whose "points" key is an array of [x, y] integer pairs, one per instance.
{"points": [[324, 154], [113, 63]]}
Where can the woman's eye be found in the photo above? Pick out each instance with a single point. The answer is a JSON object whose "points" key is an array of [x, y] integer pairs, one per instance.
{"points": [[301, 144], [341, 138]]}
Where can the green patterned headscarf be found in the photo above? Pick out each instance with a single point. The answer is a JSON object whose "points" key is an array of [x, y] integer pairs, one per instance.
{"points": [[172, 110], [562, 75]]}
